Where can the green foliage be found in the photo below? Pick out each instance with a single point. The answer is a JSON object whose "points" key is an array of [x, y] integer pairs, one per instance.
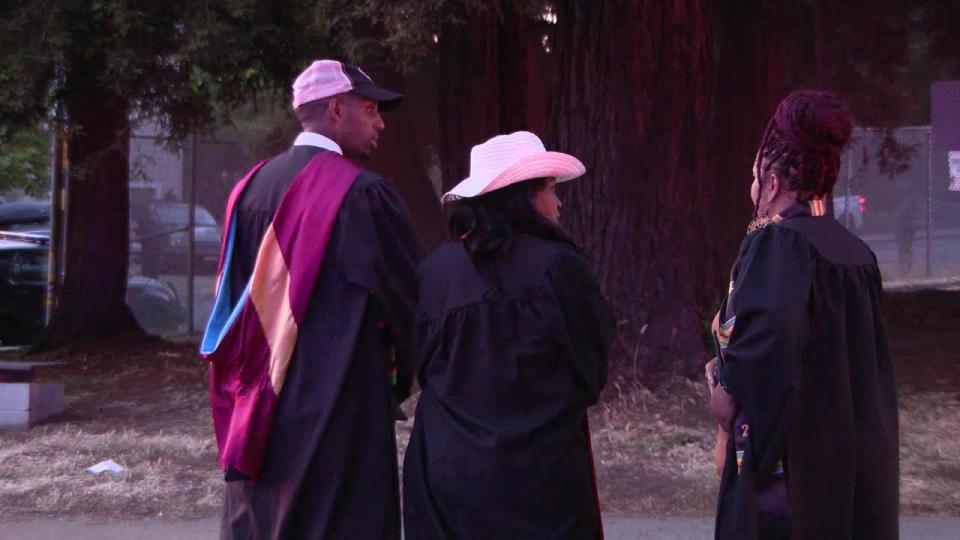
{"points": [[382, 30], [24, 161], [182, 61], [885, 54], [893, 156], [26, 65], [188, 63], [264, 127]]}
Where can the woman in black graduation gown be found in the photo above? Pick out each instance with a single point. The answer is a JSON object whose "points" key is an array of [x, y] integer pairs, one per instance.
{"points": [[512, 339], [804, 382]]}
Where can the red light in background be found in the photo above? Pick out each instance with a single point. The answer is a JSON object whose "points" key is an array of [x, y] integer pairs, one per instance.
{"points": [[863, 205]]}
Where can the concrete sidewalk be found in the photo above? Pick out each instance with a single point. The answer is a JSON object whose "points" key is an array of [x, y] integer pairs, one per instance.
{"points": [[616, 528], [911, 528]]}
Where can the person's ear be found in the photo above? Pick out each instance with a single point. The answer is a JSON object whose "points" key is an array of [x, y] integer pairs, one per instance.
{"points": [[335, 111], [773, 181]]}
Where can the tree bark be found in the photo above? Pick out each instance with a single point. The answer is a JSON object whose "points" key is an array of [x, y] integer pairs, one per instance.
{"points": [[92, 304], [469, 89], [492, 70], [403, 157], [632, 100], [819, 45], [524, 67], [751, 74]]}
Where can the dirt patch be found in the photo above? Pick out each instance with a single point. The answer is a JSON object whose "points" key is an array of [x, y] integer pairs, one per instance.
{"points": [[145, 406], [930, 453], [654, 450], [923, 331]]}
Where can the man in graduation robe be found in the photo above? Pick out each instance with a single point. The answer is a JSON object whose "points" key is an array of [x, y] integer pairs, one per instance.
{"points": [[310, 335]]}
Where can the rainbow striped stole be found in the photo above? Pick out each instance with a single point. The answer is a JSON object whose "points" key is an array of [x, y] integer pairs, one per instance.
{"points": [[249, 343]]}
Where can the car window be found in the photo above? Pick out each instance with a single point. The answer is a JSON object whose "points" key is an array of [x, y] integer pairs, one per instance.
{"points": [[37, 226], [29, 267], [178, 214]]}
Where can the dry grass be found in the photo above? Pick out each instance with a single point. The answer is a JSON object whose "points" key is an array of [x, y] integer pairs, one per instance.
{"points": [[169, 474], [930, 453], [146, 408], [654, 451], [923, 332]]}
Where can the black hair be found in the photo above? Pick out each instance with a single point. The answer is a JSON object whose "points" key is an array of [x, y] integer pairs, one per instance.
{"points": [[312, 111], [487, 225]]}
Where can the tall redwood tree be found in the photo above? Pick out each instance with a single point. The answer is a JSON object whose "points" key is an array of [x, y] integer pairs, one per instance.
{"points": [[110, 62], [633, 101], [92, 300], [753, 45], [492, 66]]}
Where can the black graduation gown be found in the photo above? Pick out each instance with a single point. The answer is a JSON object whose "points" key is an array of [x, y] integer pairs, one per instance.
{"points": [[508, 365], [330, 468], [809, 364]]}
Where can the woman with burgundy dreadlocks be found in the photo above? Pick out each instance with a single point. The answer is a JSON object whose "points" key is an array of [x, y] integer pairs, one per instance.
{"points": [[803, 385]]}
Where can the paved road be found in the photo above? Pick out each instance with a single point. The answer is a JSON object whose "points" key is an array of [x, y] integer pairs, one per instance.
{"points": [[616, 528], [932, 528]]}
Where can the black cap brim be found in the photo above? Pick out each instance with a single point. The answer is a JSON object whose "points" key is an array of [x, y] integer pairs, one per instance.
{"points": [[385, 98]]}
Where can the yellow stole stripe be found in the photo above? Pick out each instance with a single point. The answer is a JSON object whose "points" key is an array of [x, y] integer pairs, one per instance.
{"points": [[270, 294]]}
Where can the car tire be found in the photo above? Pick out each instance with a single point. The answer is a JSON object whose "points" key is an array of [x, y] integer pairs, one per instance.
{"points": [[10, 334]]}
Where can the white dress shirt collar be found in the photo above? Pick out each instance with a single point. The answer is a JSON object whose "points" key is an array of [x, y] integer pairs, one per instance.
{"points": [[308, 138]]}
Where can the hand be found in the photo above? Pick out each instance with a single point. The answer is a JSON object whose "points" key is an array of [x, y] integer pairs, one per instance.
{"points": [[710, 371], [723, 407], [720, 451]]}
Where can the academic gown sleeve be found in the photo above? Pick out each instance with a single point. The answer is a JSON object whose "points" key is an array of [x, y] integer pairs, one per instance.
{"points": [[386, 250], [588, 324], [759, 367]]}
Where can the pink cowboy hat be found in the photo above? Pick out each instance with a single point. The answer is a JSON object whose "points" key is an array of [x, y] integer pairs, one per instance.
{"points": [[509, 159]]}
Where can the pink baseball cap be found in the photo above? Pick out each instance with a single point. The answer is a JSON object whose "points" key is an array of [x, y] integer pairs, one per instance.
{"points": [[325, 78]]}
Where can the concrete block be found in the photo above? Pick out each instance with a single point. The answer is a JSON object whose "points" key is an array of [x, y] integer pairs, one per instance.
{"points": [[15, 396], [46, 398], [14, 420], [23, 404]]}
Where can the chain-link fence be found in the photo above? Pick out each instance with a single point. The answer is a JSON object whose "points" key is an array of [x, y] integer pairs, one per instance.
{"points": [[172, 271], [897, 194], [894, 192]]}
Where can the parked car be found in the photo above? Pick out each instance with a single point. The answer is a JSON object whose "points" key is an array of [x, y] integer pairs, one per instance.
{"points": [[24, 215], [23, 282], [23, 272], [161, 229], [849, 210], [159, 238]]}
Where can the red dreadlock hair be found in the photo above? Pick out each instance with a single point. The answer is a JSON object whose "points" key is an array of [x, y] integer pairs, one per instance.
{"points": [[803, 143]]}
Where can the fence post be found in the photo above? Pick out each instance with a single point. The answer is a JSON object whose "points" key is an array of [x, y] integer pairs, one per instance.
{"points": [[57, 205], [929, 219], [191, 240], [846, 200]]}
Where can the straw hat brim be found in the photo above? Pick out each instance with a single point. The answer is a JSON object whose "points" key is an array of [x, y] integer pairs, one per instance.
{"points": [[557, 165]]}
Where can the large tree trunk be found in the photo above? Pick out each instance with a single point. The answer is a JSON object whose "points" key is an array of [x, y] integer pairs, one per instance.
{"points": [[491, 81], [469, 90], [92, 304], [403, 156], [751, 77], [524, 68], [633, 101]]}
